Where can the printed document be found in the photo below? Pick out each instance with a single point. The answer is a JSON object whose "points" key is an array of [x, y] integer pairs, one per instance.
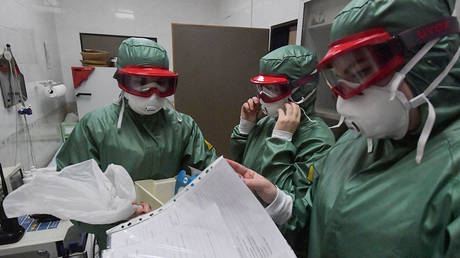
{"points": [[216, 215]]}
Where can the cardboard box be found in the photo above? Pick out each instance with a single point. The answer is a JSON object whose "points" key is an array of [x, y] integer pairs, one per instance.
{"points": [[155, 192]]}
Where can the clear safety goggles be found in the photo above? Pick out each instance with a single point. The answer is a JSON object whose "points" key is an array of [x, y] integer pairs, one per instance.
{"points": [[273, 92], [144, 81], [271, 88], [361, 60]]}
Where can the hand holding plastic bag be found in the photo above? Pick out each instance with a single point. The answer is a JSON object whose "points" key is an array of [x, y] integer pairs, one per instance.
{"points": [[80, 192]]}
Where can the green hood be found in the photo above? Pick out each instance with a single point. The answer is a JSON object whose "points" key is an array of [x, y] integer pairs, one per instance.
{"points": [[140, 51], [396, 16], [295, 62]]}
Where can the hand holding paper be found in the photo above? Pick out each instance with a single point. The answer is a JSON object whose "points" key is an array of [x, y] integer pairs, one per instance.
{"points": [[214, 216], [258, 184], [141, 208]]}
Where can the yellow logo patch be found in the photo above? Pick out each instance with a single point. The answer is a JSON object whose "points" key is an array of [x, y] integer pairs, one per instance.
{"points": [[310, 174], [208, 144]]}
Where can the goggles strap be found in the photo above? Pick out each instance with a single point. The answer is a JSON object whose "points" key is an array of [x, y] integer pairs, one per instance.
{"points": [[422, 98], [426, 131], [370, 145], [420, 54], [303, 99], [401, 75], [342, 118], [299, 82], [305, 113], [171, 106], [122, 110], [443, 74], [415, 36]]}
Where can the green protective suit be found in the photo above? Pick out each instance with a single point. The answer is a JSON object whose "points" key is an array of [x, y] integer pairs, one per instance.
{"points": [[383, 204], [279, 160], [148, 147]]}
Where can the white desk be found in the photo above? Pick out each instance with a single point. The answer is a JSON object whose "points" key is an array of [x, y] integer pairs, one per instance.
{"points": [[43, 240]]}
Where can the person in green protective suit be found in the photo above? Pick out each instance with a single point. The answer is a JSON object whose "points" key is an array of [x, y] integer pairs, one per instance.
{"points": [[284, 144], [150, 140], [390, 187]]}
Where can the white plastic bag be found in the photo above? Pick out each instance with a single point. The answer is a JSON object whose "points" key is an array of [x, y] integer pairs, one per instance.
{"points": [[80, 192]]}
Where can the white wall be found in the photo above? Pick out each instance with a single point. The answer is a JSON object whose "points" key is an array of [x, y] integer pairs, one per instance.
{"points": [[27, 25], [456, 10], [154, 17], [257, 13], [150, 18]]}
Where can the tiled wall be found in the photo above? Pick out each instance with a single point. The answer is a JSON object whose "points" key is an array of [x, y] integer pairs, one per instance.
{"points": [[46, 139], [29, 26]]}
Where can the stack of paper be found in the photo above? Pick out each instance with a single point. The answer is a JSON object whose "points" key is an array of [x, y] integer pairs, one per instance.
{"points": [[215, 216]]}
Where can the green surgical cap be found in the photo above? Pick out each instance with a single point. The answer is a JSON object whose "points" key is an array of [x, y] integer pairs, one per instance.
{"points": [[293, 61], [393, 15], [140, 51]]}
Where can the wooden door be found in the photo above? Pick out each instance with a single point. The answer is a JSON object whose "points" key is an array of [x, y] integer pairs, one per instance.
{"points": [[215, 64]]}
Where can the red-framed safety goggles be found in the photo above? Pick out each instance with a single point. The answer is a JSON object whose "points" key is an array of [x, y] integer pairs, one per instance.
{"points": [[363, 59], [144, 81], [271, 88]]}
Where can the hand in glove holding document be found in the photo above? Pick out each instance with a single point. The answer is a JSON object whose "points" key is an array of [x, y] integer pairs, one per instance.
{"points": [[215, 215], [143, 208], [258, 184]]}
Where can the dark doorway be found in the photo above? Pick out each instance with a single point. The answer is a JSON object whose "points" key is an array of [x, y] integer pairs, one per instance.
{"points": [[283, 34]]}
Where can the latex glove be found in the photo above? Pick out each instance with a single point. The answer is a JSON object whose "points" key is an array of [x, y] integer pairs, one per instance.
{"points": [[144, 208], [250, 109], [258, 184], [288, 120]]}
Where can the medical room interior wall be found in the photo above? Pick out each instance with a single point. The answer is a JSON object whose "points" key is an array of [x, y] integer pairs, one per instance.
{"points": [[32, 26], [257, 13], [154, 17], [29, 27], [457, 9], [149, 18]]}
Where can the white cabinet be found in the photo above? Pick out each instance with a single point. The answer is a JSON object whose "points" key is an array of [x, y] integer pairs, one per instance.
{"points": [[100, 89]]}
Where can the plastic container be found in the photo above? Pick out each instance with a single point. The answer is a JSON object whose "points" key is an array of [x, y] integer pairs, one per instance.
{"points": [[155, 192]]}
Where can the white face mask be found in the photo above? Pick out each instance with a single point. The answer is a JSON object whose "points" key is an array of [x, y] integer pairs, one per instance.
{"points": [[382, 117], [146, 106], [271, 109]]}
